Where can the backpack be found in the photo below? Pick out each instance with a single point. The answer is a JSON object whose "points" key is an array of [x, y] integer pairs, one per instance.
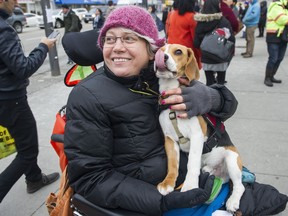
{"points": [[79, 23]]}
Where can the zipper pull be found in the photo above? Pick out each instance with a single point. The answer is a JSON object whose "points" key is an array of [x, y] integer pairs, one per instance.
{"points": [[150, 90], [155, 93]]}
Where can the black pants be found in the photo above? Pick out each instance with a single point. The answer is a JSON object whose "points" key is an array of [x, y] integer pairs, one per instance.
{"points": [[18, 118], [215, 77]]}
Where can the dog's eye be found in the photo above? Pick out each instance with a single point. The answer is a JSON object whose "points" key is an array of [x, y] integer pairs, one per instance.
{"points": [[178, 52]]}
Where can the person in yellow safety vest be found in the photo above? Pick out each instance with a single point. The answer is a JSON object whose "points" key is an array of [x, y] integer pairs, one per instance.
{"points": [[277, 19]]}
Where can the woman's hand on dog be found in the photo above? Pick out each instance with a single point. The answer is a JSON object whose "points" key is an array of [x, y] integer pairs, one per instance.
{"points": [[175, 98], [193, 100]]}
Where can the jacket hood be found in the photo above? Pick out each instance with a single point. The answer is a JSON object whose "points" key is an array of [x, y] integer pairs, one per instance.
{"points": [[207, 17]]}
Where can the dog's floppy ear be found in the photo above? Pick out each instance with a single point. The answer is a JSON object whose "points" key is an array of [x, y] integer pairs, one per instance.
{"points": [[191, 70]]}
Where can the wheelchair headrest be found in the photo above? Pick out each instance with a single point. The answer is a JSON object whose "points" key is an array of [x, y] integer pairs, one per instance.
{"points": [[82, 47]]}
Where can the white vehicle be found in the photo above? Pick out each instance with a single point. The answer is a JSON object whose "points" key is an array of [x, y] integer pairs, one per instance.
{"points": [[80, 12], [57, 19], [32, 19]]}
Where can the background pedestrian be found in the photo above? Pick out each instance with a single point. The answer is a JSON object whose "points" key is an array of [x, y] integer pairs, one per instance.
{"points": [[15, 112], [251, 20], [181, 26], [98, 20], [71, 23], [277, 19], [208, 20], [263, 18]]}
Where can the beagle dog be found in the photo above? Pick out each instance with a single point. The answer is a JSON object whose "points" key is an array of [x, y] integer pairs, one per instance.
{"points": [[173, 61]]}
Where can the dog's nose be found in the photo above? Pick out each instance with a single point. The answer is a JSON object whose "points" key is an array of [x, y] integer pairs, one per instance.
{"points": [[166, 57]]}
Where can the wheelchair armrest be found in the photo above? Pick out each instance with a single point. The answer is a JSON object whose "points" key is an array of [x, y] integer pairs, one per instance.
{"points": [[90, 209], [57, 138]]}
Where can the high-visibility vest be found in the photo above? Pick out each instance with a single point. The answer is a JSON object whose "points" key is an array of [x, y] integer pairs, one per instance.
{"points": [[277, 18]]}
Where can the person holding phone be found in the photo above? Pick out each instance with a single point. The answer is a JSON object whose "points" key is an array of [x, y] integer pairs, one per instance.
{"points": [[15, 112]]}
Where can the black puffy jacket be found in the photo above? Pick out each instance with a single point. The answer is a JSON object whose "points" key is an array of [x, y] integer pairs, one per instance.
{"points": [[261, 200], [15, 67], [114, 143]]}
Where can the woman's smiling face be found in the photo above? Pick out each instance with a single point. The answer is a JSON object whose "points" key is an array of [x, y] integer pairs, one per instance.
{"points": [[128, 55]]}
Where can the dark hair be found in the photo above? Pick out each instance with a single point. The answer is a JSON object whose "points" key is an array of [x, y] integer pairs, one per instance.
{"points": [[211, 6], [186, 6], [110, 3], [175, 4], [100, 11], [153, 8], [65, 6]]}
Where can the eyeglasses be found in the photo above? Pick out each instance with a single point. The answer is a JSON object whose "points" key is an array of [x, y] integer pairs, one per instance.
{"points": [[128, 39]]}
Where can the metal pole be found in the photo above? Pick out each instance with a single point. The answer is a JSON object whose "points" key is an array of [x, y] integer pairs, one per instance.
{"points": [[53, 56], [145, 3]]}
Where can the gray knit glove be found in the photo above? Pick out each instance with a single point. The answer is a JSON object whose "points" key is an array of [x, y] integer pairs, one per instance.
{"points": [[200, 99]]}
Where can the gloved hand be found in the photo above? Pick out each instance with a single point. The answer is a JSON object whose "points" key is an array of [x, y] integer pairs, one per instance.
{"points": [[189, 198], [200, 99]]}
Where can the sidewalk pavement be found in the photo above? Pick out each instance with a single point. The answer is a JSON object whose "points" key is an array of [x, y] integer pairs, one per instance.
{"points": [[258, 127]]}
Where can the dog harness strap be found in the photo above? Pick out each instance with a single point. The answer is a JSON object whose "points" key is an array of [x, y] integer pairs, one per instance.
{"points": [[181, 138], [218, 129], [210, 143]]}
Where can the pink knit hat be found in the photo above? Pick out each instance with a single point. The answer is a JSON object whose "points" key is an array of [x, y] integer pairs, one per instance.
{"points": [[135, 18]]}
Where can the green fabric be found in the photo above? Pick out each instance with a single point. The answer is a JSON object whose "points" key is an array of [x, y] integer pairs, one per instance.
{"points": [[217, 185], [81, 72]]}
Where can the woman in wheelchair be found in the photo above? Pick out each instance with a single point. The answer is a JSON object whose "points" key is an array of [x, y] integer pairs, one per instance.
{"points": [[113, 140]]}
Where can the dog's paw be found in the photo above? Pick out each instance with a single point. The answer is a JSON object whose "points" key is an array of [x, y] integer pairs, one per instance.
{"points": [[207, 169], [189, 185], [232, 204], [165, 188]]}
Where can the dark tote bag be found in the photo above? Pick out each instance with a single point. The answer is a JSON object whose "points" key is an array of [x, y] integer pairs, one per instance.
{"points": [[217, 48]]}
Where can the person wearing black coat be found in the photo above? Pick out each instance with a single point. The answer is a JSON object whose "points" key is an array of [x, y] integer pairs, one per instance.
{"points": [[263, 17], [98, 20], [113, 140], [208, 20], [71, 23], [165, 12], [15, 112]]}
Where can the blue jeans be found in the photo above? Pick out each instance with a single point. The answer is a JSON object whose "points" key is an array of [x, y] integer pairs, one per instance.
{"points": [[276, 53], [18, 118]]}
